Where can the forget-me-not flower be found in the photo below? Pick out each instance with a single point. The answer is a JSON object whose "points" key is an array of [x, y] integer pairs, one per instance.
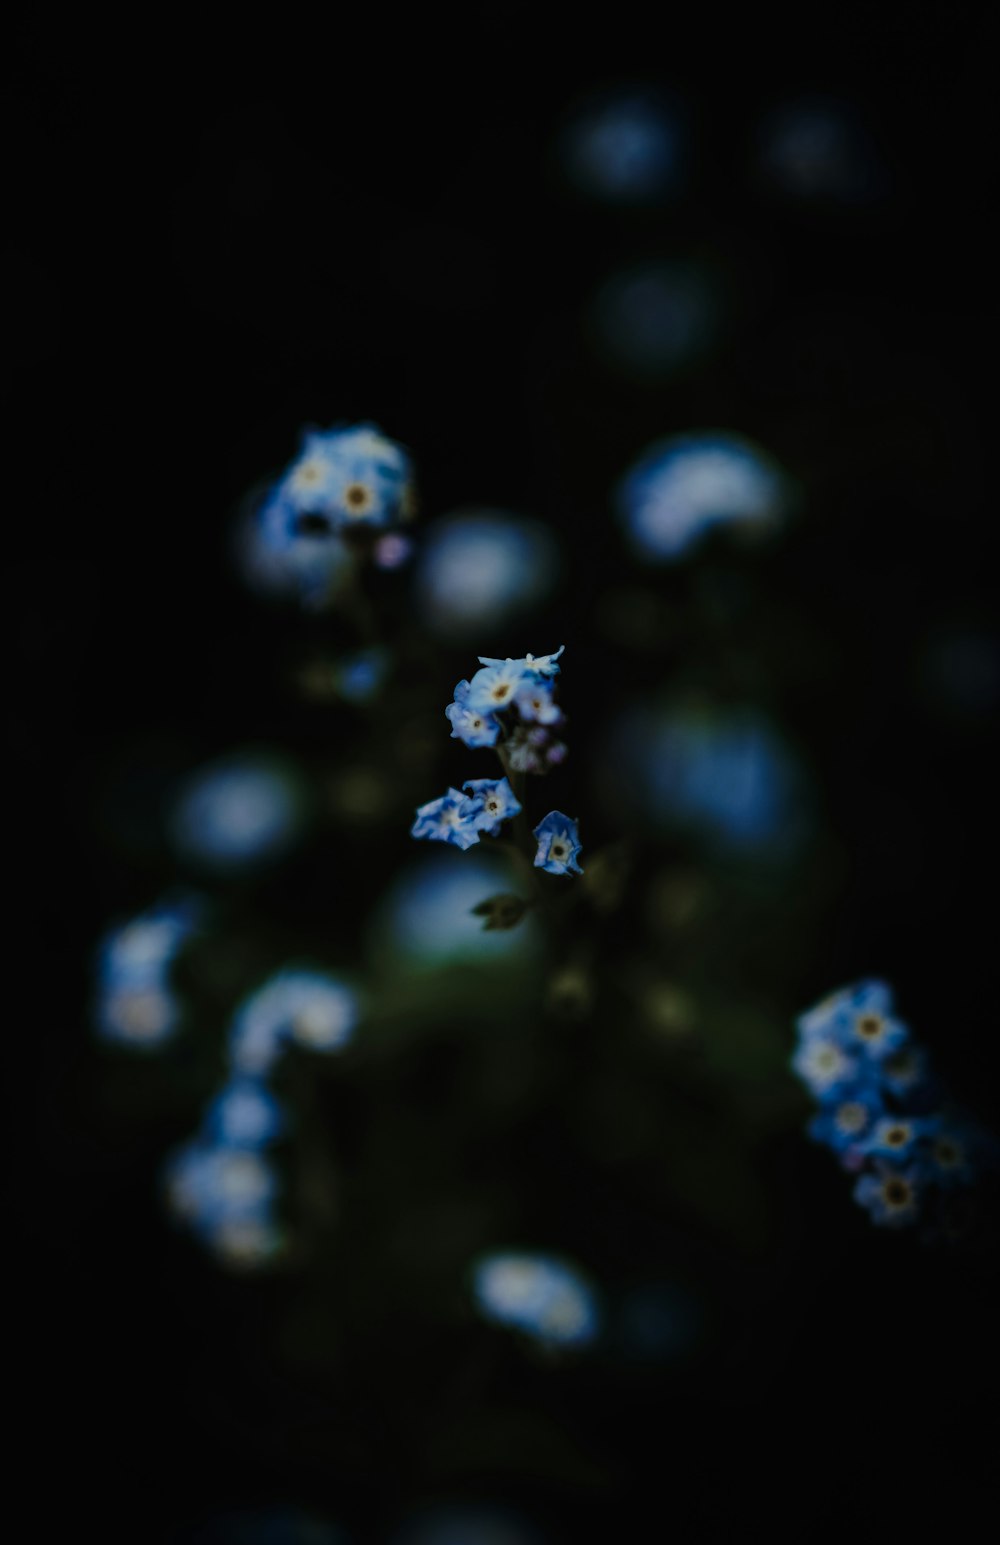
{"points": [[135, 1001], [496, 800], [474, 727], [244, 1114], [890, 1196], [558, 844], [343, 478], [452, 818]]}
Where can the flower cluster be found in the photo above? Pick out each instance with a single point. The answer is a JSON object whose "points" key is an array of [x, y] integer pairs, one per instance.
{"points": [[881, 1112], [343, 479], [135, 1004], [222, 1184], [525, 743]]}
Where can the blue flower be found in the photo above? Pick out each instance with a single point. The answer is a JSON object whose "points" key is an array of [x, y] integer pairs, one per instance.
{"points": [[209, 1185], [906, 1074], [495, 686], [238, 811], [244, 1114], [625, 146], [452, 818], [558, 844], [845, 1124], [347, 477], [827, 1071], [476, 729], [312, 1008], [890, 1196], [542, 1296], [682, 487], [497, 803], [135, 1002], [536, 704], [896, 1137]]}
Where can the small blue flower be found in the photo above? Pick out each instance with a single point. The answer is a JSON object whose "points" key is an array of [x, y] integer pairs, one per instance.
{"points": [[906, 1073], [209, 1184], [481, 569], [238, 811], [135, 1004], [536, 703], [497, 803], [897, 1137], [244, 1114], [495, 686], [538, 1294], [558, 844], [890, 1196], [310, 1007], [827, 1071], [452, 818], [845, 1124], [476, 729]]}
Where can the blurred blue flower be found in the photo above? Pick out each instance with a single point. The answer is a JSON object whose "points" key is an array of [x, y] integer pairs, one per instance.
{"points": [[558, 844], [238, 811], [244, 1114], [624, 145], [680, 488], [826, 1069], [896, 1137], [452, 818], [361, 676], [890, 1196], [311, 1008], [344, 477], [426, 921], [497, 803], [654, 318], [541, 1295], [311, 567], [819, 149], [536, 703], [845, 1124], [724, 775], [479, 569], [225, 1195], [475, 728], [135, 1003]]}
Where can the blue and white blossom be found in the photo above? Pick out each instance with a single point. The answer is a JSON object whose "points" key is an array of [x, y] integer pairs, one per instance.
{"points": [[890, 1196], [497, 803], [244, 1114], [558, 844], [536, 703], [452, 819], [310, 1008], [475, 728], [135, 1004], [495, 686], [540, 1295], [238, 811]]}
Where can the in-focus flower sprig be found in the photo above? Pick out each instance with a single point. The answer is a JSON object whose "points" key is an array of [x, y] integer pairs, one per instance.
{"points": [[508, 706]]}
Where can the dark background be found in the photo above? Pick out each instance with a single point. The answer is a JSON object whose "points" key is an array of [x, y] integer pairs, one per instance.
{"points": [[215, 241]]}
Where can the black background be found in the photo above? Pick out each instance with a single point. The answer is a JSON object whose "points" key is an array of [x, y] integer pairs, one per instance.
{"points": [[215, 240]]}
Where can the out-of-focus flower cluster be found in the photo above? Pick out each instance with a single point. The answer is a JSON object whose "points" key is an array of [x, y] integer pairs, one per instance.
{"points": [[136, 1004], [346, 482], [223, 1184], [884, 1116]]}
